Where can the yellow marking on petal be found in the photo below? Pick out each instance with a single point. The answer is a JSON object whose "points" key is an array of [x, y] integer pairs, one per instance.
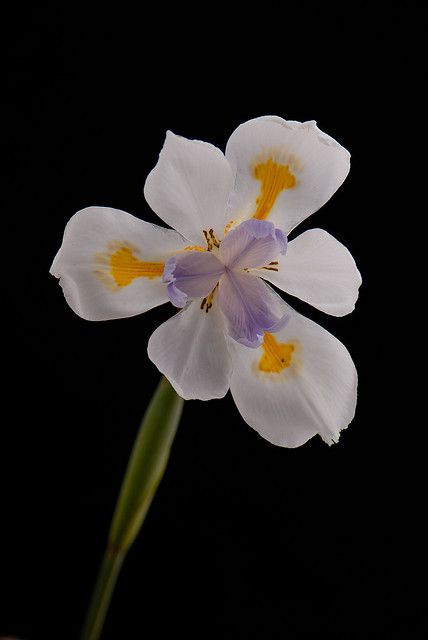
{"points": [[277, 355], [125, 267], [194, 247], [274, 178], [119, 266]]}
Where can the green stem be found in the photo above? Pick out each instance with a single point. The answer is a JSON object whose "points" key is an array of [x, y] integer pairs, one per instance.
{"points": [[146, 467], [101, 596]]}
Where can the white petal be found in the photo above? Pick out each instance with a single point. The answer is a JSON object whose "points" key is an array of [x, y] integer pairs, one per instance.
{"points": [[318, 269], [191, 350], [189, 187], [316, 163], [91, 238], [315, 393]]}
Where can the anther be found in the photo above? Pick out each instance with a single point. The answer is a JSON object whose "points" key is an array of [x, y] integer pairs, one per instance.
{"points": [[208, 240], [215, 242]]}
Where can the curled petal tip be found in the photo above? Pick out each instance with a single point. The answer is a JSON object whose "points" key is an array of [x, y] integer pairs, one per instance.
{"points": [[168, 272], [248, 343], [281, 238], [178, 298]]}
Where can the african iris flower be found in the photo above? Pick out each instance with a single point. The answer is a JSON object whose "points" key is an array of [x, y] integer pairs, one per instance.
{"points": [[231, 215]]}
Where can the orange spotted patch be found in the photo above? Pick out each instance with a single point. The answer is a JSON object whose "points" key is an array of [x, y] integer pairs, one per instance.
{"points": [[274, 178], [277, 355]]}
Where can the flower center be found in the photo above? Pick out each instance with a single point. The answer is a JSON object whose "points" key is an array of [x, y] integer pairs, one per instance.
{"points": [[228, 271]]}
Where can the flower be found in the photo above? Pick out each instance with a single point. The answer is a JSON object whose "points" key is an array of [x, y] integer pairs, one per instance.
{"points": [[232, 212]]}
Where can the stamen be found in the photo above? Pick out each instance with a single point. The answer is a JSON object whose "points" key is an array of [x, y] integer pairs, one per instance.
{"points": [[207, 302], [215, 242], [208, 240], [211, 239]]}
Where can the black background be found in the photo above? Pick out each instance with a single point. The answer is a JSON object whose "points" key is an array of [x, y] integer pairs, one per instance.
{"points": [[243, 539]]}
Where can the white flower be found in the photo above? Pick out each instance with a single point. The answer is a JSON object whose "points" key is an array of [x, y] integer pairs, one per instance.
{"points": [[290, 378]]}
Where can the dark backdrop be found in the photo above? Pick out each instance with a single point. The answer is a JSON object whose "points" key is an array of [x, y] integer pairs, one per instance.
{"points": [[243, 539]]}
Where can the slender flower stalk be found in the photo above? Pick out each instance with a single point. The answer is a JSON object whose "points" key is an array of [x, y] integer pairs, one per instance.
{"points": [[146, 467]]}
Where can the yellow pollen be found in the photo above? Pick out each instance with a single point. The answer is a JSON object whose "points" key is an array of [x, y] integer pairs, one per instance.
{"points": [[229, 226], [274, 178], [194, 247], [277, 355]]}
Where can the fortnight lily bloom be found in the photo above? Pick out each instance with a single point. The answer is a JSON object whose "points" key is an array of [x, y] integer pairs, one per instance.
{"points": [[232, 214]]}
